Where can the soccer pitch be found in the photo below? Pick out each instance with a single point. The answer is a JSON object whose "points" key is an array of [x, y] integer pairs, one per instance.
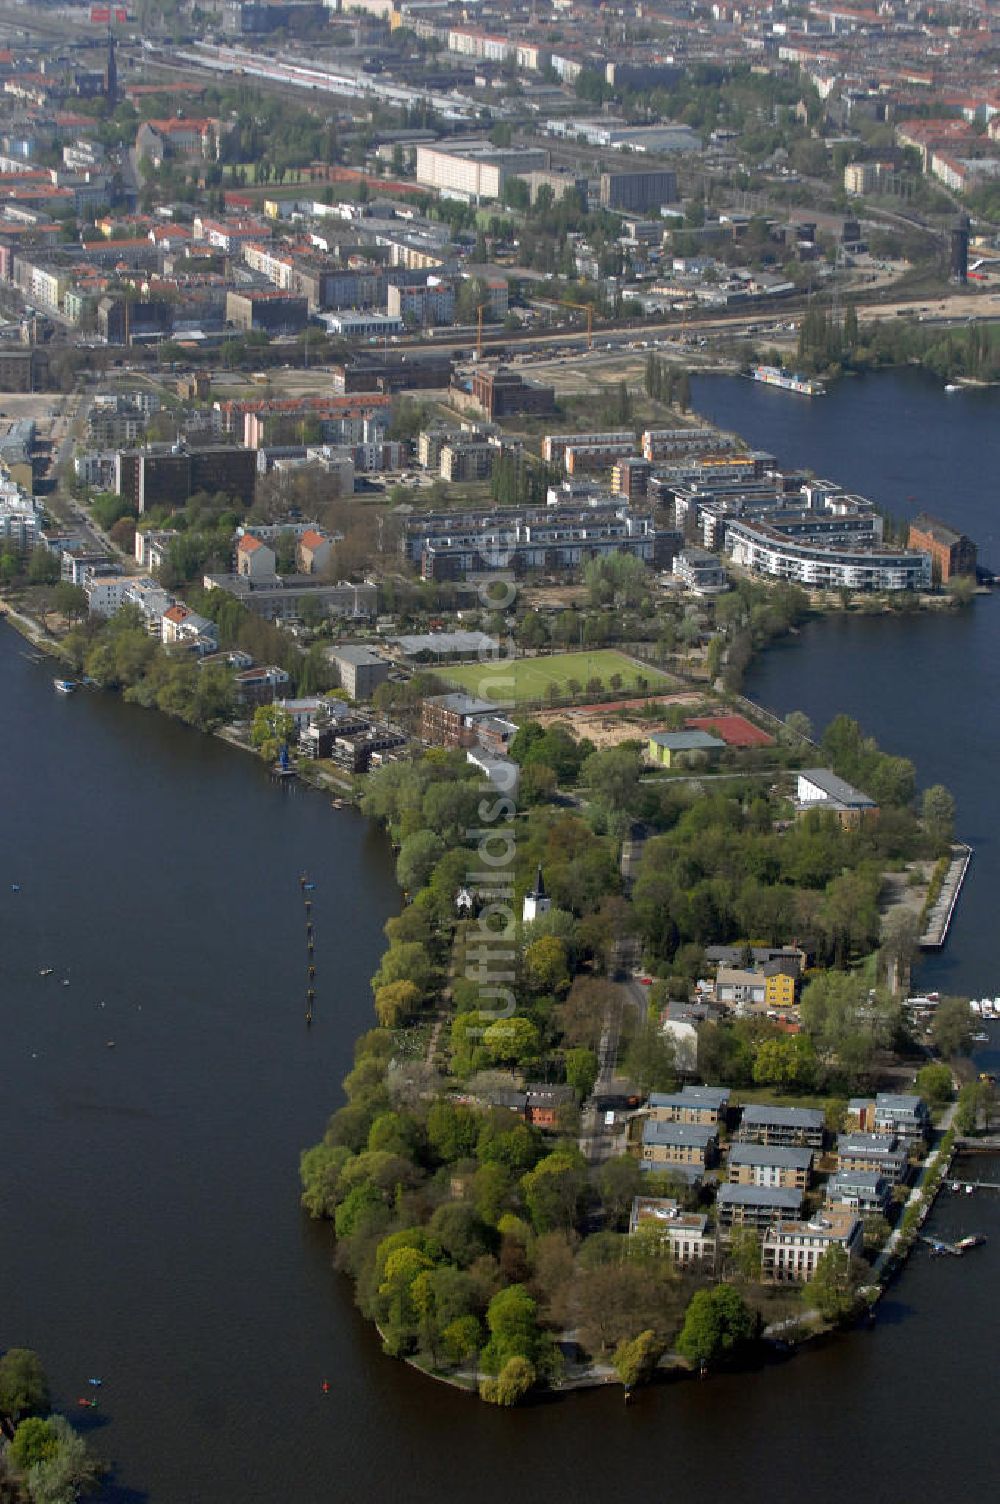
{"points": [[514, 681]]}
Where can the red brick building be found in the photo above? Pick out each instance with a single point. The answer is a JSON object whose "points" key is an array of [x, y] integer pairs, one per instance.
{"points": [[951, 553]]}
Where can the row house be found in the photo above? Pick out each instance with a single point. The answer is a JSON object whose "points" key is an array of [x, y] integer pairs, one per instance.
{"points": [[763, 1165], [881, 1152], [756, 1205], [798, 1126], [693, 1104], [687, 1147]]}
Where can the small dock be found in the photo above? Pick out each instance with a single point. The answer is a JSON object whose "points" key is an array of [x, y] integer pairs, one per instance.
{"points": [[939, 1246], [940, 917]]}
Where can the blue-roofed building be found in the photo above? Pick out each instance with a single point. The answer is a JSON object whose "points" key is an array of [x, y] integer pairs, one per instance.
{"points": [[756, 1205], [694, 1104], [771, 1165], [763, 1124], [666, 1145]]}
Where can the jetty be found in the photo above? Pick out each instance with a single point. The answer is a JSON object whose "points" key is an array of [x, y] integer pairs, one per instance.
{"points": [[940, 915]]}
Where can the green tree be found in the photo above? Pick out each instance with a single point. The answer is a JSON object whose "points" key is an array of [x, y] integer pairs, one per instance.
{"points": [[951, 1026], [461, 1340], [833, 1289], [24, 1389], [396, 1002], [635, 1361], [417, 857], [69, 601], [745, 1253], [717, 1324], [581, 1071], [512, 1318], [612, 776], [511, 1040], [937, 809], [799, 725], [43, 566], [34, 1441], [934, 1083], [270, 730], [546, 965], [68, 1473], [552, 1190], [651, 1059], [512, 1383]]}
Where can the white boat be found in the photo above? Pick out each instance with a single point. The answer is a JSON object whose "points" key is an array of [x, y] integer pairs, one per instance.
{"points": [[64, 686], [951, 387]]}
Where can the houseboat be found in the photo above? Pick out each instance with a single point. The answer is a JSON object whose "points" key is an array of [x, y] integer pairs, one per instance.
{"points": [[805, 386]]}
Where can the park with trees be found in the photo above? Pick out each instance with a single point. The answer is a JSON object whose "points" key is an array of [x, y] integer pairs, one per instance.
{"points": [[475, 1237]]}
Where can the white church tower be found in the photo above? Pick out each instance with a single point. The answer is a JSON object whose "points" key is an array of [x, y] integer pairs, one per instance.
{"points": [[536, 901]]}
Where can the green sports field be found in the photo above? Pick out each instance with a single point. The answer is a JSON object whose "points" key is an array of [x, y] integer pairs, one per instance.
{"points": [[520, 680]]}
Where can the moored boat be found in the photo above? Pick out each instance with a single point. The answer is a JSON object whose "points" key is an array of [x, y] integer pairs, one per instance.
{"points": [[64, 686]]}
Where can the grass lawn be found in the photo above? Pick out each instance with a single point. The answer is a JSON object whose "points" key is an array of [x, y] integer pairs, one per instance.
{"points": [[521, 680]]}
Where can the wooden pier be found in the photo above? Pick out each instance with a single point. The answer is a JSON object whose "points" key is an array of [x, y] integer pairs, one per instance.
{"points": [[940, 917]]}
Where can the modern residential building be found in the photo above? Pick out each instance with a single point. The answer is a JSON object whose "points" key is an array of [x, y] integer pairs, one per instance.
{"points": [[551, 539], [699, 571], [776, 1165], [690, 1146], [269, 311], [791, 1250], [878, 1152], [902, 1113], [146, 477], [683, 1236], [475, 171], [630, 191], [692, 1104], [360, 670], [739, 987], [865, 1191], [313, 551], [261, 685], [764, 1124], [254, 560], [756, 1205], [451, 720], [763, 549]]}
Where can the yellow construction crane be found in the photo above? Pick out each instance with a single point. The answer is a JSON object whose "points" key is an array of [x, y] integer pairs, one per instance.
{"points": [[588, 309], [479, 329]]}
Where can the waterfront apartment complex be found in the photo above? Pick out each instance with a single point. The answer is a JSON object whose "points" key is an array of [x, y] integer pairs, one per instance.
{"points": [[554, 539], [764, 549]]}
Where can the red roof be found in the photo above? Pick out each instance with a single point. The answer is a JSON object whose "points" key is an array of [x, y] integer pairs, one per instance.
{"points": [[249, 544], [735, 730], [312, 539]]}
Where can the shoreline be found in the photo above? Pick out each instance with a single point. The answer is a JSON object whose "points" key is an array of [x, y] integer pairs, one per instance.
{"points": [[887, 1267]]}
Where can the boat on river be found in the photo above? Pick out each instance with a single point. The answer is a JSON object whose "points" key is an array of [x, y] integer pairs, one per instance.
{"points": [[951, 386], [64, 686]]}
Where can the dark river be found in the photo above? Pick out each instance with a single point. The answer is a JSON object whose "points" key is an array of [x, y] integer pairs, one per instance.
{"points": [[150, 1231]]}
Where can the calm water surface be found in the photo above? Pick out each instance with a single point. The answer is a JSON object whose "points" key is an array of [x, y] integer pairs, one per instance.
{"points": [[150, 1231]]}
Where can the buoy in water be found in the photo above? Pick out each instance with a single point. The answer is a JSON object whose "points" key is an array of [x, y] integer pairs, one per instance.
{"points": [[326, 1386]]}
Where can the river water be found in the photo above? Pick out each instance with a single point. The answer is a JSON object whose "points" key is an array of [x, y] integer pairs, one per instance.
{"points": [[150, 1232]]}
